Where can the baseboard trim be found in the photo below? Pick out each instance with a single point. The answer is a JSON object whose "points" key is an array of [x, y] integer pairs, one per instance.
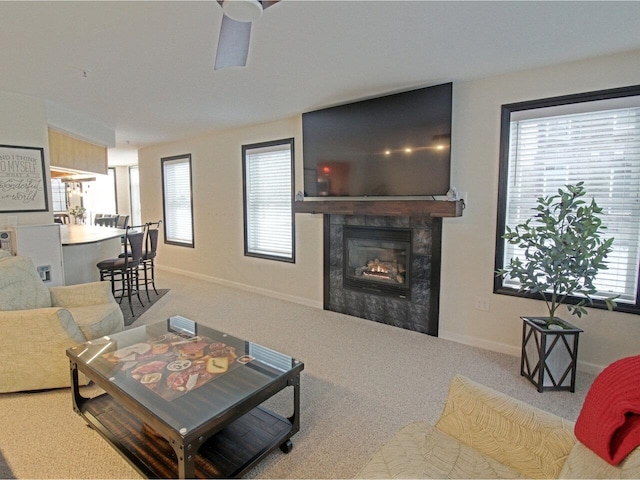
{"points": [[241, 286], [588, 367], [514, 351], [480, 343]]}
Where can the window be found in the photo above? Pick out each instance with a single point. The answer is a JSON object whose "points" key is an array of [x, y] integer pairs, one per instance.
{"points": [[594, 138], [134, 195], [268, 194], [101, 196], [58, 195], [177, 198]]}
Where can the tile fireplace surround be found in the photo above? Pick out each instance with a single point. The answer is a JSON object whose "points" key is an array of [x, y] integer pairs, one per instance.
{"points": [[420, 311]]}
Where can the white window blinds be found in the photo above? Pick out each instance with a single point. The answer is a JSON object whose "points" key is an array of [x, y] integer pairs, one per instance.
{"points": [[58, 195], [178, 221], [134, 195], [268, 196], [600, 148]]}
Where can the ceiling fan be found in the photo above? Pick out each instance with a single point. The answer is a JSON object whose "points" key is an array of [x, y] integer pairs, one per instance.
{"points": [[235, 31]]}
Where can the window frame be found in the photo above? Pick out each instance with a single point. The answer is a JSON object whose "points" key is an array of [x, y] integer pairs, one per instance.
{"points": [[245, 148], [167, 239], [59, 195], [503, 181], [115, 186], [134, 195]]}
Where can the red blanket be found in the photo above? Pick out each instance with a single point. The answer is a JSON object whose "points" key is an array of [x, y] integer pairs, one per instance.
{"points": [[609, 423]]}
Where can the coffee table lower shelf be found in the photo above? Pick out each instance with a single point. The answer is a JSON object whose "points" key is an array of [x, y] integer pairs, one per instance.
{"points": [[228, 454]]}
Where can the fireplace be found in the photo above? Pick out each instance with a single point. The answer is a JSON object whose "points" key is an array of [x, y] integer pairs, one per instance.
{"points": [[402, 287], [377, 260]]}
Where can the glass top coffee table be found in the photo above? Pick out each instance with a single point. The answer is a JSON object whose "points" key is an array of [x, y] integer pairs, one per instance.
{"points": [[182, 400]]}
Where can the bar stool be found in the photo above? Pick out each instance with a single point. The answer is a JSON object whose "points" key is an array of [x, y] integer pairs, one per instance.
{"points": [[124, 269], [62, 218], [105, 221], [149, 255], [122, 221]]}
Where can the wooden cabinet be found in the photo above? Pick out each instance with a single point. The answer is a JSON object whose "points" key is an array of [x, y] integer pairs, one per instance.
{"points": [[75, 154]]}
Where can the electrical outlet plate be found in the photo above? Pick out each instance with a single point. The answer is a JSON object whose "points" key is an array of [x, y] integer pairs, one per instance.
{"points": [[45, 273], [482, 303]]}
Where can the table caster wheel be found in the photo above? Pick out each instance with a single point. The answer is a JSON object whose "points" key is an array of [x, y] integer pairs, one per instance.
{"points": [[287, 446]]}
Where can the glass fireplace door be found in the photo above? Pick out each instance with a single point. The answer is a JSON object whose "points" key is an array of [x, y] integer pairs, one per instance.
{"points": [[377, 260]]}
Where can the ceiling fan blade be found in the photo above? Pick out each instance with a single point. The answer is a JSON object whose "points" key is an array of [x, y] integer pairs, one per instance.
{"points": [[233, 44]]}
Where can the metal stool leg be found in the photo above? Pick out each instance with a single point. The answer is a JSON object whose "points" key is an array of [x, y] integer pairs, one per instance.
{"points": [[135, 273], [153, 276], [127, 275], [145, 266]]}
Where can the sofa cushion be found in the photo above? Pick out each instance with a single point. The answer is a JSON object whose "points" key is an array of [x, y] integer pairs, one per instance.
{"points": [[96, 321], [20, 286], [81, 295], [421, 451], [32, 354], [583, 463], [531, 441]]}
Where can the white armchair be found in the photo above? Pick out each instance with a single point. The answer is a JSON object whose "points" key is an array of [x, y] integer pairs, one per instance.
{"points": [[38, 324]]}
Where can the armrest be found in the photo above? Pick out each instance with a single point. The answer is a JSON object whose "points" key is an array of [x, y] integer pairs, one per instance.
{"points": [[583, 463], [81, 295], [32, 348], [49, 324], [527, 439]]}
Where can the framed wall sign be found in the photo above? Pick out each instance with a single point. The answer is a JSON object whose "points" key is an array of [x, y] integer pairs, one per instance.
{"points": [[23, 186]]}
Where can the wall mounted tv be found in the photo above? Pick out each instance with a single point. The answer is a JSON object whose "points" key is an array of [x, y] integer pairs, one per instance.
{"points": [[395, 145]]}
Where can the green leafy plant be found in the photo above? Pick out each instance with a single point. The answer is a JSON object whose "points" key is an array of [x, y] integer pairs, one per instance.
{"points": [[563, 250], [78, 212]]}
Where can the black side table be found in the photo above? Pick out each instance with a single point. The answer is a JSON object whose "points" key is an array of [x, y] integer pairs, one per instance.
{"points": [[549, 354]]}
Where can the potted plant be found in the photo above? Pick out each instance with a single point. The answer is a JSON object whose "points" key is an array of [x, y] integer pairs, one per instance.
{"points": [[78, 213], [563, 251]]}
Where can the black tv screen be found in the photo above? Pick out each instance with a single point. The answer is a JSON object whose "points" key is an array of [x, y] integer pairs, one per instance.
{"points": [[395, 145]]}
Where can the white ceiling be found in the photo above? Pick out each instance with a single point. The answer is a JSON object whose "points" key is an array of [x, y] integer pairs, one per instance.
{"points": [[149, 64]]}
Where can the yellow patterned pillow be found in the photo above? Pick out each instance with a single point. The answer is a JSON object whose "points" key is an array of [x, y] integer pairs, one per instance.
{"points": [[420, 451], [529, 440]]}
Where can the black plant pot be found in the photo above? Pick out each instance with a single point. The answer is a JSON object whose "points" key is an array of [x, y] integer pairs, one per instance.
{"points": [[549, 353]]}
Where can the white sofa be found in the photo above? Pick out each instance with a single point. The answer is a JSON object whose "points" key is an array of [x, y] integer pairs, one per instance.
{"points": [[486, 434], [38, 324]]}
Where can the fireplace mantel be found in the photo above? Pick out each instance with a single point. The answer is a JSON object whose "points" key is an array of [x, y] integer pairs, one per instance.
{"points": [[433, 208]]}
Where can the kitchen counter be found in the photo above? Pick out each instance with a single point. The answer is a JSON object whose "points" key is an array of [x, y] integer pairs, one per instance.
{"points": [[83, 234], [83, 246]]}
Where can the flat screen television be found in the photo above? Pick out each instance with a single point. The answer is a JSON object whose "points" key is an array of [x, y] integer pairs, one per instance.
{"points": [[394, 145]]}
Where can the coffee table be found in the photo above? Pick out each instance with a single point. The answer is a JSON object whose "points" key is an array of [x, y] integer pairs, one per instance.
{"points": [[181, 400]]}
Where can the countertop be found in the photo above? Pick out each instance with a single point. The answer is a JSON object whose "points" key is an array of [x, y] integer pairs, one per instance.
{"points": [[83, 234]]}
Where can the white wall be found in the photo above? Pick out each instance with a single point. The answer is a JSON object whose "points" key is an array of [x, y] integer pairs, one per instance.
{"points": [[218, 219], [468, 242], [23, 123], [122, 159], [122, 191]]}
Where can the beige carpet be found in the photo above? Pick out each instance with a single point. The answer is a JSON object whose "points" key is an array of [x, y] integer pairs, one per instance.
{"points": [[362, 382]]}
